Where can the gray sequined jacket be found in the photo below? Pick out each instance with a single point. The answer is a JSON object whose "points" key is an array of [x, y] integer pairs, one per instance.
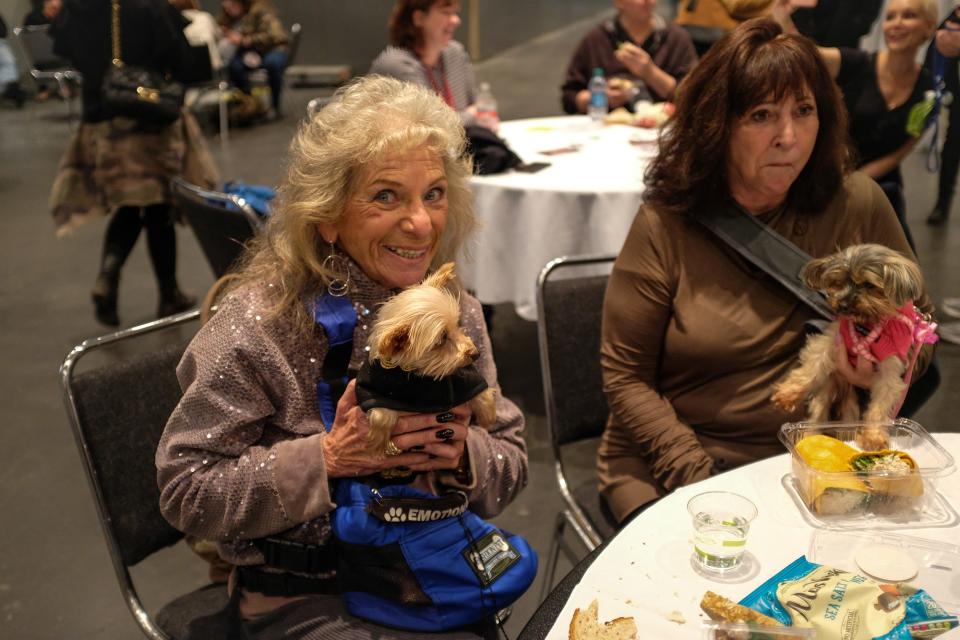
{"points": [[241, 456]]}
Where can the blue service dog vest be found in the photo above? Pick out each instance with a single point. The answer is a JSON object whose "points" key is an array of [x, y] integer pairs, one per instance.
{"points": [[406, 558]]}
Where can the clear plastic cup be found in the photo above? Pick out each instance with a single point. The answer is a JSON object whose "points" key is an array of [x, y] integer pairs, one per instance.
{"points": [[721, 521]]}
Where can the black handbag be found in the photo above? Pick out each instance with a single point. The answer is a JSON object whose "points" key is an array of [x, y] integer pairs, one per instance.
{"points": [[135, 91], [490, 152]]}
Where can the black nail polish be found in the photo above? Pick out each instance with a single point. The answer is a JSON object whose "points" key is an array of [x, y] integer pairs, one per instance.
{"points": [[445, 417], [419, 447], [402, 468], [430, 456], [444, 434]]}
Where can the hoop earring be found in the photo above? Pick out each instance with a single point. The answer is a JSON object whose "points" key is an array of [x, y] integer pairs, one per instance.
{"points": [[336, 265]]}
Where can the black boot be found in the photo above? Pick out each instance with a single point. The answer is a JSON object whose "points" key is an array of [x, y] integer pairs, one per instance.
{"points": [[174, 301], [939, 215], [104, 293]]}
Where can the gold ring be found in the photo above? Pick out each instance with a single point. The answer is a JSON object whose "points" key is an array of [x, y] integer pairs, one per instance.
{"points": [[391, 449]]}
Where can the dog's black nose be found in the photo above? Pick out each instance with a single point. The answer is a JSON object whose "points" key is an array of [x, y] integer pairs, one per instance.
{"points": [[843, 307]]}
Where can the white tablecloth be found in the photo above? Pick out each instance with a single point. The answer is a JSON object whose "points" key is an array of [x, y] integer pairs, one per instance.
{"points": [[645, 572], [583, 203]]}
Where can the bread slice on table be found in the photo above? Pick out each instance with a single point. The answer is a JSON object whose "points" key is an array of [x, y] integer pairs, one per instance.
{"points": [[726, 610], [585, 625]]}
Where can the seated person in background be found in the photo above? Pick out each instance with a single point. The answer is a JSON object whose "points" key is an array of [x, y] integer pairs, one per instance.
{"points": [[202, 30], [375, 196], [947, 45], [44, 12], [253, 38], [880, 89], [422, 50], [642, 58], [694, 337]]}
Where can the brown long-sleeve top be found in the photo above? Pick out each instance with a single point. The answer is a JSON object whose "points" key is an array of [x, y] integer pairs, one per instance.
{"points": [[694, 337], [241, 456]]}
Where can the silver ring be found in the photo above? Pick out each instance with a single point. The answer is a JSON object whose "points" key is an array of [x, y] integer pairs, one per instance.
{"points": [[391, 449]]}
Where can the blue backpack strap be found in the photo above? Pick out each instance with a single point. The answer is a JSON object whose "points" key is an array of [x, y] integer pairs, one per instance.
{"points": [[337, 317]]}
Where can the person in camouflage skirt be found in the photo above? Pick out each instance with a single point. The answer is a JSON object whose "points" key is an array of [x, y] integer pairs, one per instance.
{"points": [[120, 167]]}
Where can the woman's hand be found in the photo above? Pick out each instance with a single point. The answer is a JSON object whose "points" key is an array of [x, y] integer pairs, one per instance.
{"points": [[442, 437], [861, 375], [346, 448], [235, 38]]}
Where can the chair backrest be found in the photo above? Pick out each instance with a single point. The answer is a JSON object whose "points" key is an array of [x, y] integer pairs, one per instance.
{"points": [[37, 46], [293, 45], [316, 105], [222, 222], [118, 410], [569, 311]]}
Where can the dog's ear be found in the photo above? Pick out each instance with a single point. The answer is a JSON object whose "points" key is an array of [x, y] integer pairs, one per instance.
{"points": [[812, 273], [441, 277], [394, 343], [902, 280]]}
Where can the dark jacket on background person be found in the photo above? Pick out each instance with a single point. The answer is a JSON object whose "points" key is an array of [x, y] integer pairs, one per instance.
{"points": [[151, 35], [838, 23]]}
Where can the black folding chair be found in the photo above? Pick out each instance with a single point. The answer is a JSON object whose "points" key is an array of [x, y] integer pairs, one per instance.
{"points": [[569, 308], [36, 45], [118, 410], [222, 222], [204, 80]]}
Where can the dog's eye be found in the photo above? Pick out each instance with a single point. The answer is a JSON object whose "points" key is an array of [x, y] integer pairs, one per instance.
{"points": [[442, 339]]}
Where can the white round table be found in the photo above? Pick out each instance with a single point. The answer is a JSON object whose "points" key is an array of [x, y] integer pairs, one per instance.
{"points": [[583, 203], [645, 571]]}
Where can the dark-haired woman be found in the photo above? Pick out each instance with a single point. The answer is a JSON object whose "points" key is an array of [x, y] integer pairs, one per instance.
{"points": [[422, 50], [693, 335]]}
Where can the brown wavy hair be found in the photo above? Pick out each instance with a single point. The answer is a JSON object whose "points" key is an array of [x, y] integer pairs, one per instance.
{"points": [[403, 33], [754, 63]]}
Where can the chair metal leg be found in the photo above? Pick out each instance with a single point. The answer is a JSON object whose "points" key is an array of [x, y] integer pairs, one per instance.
{"points": [[62, 86], [222, 89], [552, 555]]}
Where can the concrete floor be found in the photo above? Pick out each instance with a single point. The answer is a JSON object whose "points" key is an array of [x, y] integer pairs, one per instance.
{"points": [[56, 580]]}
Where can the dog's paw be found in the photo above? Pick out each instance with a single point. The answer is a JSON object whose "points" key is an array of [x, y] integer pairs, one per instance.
{"points": [[872, 438], [787, 398]]}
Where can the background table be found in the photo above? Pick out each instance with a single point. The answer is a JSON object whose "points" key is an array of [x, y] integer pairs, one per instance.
{"points": [[584, 202], [645, 570]]}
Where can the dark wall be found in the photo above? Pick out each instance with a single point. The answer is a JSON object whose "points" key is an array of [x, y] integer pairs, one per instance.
{"points": [[354, 31]]}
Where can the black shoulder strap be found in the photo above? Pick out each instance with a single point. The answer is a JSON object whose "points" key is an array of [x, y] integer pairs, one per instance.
{"points": [[766, 249]]}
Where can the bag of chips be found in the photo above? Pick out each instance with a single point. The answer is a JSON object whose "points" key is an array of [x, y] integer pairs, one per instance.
{"points": [[841, 605]]}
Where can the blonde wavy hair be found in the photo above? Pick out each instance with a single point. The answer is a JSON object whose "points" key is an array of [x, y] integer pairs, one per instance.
{"points": [[365, 121]]}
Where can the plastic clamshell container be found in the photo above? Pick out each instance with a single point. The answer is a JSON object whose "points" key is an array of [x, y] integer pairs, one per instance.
{"points": [[938, 563], [743, 631], [874, 499]]}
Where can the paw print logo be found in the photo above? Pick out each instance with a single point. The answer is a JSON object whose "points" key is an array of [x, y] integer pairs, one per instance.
{"points": [[395, 514]]}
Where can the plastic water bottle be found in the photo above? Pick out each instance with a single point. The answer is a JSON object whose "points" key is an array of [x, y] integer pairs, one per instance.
{"points": [[597, 107], [486, 104]]}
